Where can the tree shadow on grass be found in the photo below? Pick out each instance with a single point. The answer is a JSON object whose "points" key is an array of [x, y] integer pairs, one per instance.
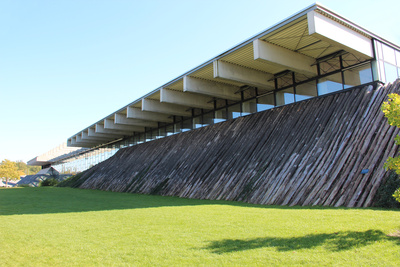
{"points": [[334, 242]]}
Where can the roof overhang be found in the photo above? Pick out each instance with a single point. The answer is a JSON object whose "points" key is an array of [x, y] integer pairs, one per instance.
{"points": [[56, 154], [293, 44]]}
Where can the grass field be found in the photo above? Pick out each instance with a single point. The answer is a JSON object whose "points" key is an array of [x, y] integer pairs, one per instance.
{"points": [[63, 227]]}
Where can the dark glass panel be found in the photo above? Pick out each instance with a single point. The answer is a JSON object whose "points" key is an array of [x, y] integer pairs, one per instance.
{"points": [[284, 97], [357, 76], [330, 84], [306, 91], [265, 102]]}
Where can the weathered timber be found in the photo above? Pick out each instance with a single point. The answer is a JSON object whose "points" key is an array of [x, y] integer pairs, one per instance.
{"points": [[307, 153]]}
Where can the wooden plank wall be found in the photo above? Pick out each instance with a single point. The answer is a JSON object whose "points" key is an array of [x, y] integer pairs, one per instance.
{"points": [[307, 153]]}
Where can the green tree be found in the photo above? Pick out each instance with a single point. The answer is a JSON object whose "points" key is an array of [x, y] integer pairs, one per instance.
{"points": [[27, 170], [9, 170], [391, 109]]}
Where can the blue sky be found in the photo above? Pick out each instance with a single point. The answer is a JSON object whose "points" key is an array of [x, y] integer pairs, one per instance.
{"points": [[66, 64]]}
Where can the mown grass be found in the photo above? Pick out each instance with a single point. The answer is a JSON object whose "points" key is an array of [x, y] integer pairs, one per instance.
{"points": [[66, 227]]}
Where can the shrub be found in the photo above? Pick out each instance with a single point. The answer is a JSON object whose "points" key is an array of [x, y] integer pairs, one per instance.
{"points": [[49, 182], [72, 181], [385, 195], [24, 185]]}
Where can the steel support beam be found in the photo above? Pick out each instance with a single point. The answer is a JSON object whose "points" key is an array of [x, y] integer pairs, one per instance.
{"points": [[109, 124], [136, 113], [85, 136], [111, 137], [164, 108], [122, 119], [284, 58], [186, 99], [215, 89], [229, 71], [100, 129]]}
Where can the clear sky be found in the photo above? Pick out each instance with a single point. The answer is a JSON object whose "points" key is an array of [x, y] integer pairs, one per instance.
{"points": [[66, 64]]}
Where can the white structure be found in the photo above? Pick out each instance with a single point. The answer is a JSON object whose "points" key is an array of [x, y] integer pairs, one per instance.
{"points": [[312, 53]]}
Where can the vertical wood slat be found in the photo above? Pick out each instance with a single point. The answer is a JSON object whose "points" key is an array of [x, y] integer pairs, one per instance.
{"points": [[306, 153]]}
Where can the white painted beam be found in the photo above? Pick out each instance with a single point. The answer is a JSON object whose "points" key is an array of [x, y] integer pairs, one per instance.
{"points": [[165, 108], [186, 99], [339, 35], [75, 143], [92, 133], [283, 58], [79, 139], [85, 136], [109, 124], [215, 89], [122, 119], [136, 113], [229, 71], [100, 129]]}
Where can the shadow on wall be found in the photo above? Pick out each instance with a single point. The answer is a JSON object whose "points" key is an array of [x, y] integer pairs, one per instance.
{"points": [[333, 242]]}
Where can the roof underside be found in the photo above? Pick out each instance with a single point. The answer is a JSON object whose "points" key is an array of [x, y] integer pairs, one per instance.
{"points": [[294, 44]]}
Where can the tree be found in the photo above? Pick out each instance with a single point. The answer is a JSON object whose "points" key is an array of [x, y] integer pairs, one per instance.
{"points": [[9, 170], [27, 170], [391, 109]]}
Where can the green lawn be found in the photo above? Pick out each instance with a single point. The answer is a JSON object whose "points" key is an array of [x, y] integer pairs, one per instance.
{"points": [[64, 227]]}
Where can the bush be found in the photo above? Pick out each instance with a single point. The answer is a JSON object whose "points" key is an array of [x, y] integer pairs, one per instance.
{"points": [[49, 182], [73, 181], [24, 185], [384, 196]]}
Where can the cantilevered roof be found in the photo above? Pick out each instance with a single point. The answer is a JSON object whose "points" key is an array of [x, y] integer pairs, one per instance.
{"points": [[293, 44], [56, 154]]}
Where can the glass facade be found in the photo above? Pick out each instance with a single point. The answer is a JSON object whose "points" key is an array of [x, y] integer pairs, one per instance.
{"points": [[388, 62], [335, 73]]}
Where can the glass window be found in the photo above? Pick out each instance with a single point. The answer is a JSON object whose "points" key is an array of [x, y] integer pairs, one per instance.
{"points": [[357, 76], [170, 130], [123, 144], [390, 72], [148, 136], [208, 118], [136, 139], [162, 132], [329, 65], [249, 107], [265, 102], [350, 59], [378, 49], [234, 111], [154, 134], [219, 103], [177, 127], [306, 91], [299, 77], [197, 122], [397, 58], [220, 115], [381, 71], [249, 93], [187, 125], [196, 111], [285, 80], [284, 97], [330, 84], [131, 141], [388, 54]]}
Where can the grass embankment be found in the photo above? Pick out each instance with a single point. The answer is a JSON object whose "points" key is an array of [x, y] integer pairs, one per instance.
{"points": [[63, 226]]}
